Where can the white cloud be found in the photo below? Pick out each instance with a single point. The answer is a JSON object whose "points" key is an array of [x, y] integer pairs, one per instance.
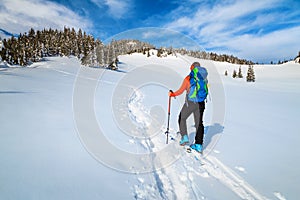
{"points": [[218, 18], [244, 28], [116, 8], [267, 47], [20, 15]]}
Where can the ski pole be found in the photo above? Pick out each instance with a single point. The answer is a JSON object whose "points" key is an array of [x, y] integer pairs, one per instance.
{"points": [[169, 108]]}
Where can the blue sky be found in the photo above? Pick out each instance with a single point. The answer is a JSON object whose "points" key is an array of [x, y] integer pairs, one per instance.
{"points": [[261, 31]]}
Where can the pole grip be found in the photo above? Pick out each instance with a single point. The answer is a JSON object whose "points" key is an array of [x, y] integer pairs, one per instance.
{"points": [[172, 92]]}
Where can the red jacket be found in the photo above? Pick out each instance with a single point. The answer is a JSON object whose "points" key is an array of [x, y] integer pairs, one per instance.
{"points": [[184, 86]]}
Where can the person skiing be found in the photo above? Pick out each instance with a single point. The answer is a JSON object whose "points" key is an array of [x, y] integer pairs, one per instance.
{"points": [[195, 85]]}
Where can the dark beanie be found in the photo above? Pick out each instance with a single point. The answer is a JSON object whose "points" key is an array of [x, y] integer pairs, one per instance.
{"points": [[196, 64]]}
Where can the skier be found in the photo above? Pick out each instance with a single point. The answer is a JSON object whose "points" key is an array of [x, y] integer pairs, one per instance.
{"points": [[195, 85]]}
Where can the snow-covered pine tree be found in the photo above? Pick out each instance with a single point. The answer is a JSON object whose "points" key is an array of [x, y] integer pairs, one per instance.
{"points": [[106, 54], [234, 74], [100, 53], [240, 75], [93, 58], [113, 55], [250, 74], [79, 43], [73, 42], [159, 52]]}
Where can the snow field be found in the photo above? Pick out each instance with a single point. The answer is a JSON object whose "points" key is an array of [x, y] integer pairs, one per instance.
{"points": [[242, 163]]}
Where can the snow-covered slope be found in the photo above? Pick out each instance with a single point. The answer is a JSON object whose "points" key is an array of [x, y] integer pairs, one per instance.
{"points": [[71, 132]]}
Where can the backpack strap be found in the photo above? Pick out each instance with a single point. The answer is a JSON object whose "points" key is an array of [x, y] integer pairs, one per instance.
{"points": [[195, 77]]}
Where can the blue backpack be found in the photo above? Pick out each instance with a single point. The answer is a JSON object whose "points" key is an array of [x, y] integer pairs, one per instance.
{"points": [[198, 84]]}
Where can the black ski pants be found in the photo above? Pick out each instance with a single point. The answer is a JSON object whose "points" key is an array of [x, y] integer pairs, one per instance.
{"points": [[197, 109]]}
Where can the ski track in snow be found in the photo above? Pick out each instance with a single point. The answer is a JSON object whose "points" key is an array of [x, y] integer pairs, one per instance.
{"points": [[184, 187], [178, 180]]}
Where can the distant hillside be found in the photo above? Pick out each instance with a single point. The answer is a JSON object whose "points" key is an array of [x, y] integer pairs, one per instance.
{"points": [[35, 45]]}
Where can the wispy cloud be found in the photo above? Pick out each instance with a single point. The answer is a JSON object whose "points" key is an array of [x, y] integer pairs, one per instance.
{"points": [[167, 38], [20, 15], [116, 8], [268, 47], [246, 28]]}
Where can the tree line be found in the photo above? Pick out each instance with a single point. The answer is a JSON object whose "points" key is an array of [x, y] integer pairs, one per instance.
{"points": [[35, 45], [107, 55], [214, 56]]}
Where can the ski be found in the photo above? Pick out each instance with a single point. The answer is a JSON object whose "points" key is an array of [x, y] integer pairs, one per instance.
{"points": [[190, 150], [195, 154]]}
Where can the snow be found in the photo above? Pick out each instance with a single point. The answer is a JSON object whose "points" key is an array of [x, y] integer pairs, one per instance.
{"points": [[279, 196], [241, 169], [72, 132]]}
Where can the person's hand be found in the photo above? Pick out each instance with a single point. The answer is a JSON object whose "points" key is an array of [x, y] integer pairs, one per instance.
{"points": [[171, 93]]}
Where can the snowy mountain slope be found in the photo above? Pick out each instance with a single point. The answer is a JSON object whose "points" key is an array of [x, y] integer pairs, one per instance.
{"points": [[71, 132]]}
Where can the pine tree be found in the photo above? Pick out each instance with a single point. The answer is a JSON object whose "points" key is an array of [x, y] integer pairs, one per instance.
{"points": [[100, 53], [240, 75], [250, 74], [234, 74]]}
